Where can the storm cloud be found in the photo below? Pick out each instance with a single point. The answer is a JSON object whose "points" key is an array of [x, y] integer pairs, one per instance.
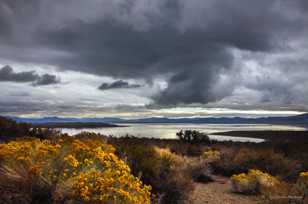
{"points": [[119, 84], [46, 79], [189, 44], [7, 74]]}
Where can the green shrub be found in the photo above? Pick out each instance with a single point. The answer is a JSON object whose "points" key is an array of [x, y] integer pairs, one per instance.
{"points": [[193, 136]]}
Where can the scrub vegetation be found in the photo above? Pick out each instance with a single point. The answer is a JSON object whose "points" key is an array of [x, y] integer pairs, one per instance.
{"points": [[40, 165]]}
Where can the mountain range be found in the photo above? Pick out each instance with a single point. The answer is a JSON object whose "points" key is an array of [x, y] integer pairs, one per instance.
{"points": [[298, 119]]}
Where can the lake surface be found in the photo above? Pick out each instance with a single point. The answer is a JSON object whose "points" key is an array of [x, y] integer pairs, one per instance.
{"points": [[168, 131]]}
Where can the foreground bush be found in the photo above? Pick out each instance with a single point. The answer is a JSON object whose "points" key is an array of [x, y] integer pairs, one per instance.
{"points": [[67, 171], [302, 184], [200, 170], [237, 160], [211, 155], [258, 182], [165, 171]]}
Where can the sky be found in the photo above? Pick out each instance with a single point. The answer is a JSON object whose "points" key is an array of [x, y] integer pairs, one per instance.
{"points": [[142, 58]]}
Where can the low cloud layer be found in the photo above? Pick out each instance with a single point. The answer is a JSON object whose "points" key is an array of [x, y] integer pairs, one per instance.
{"points": [[119, 84], [7, 74]]}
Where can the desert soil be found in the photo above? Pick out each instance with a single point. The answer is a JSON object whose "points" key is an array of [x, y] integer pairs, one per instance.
{"points": [[218, 192]]}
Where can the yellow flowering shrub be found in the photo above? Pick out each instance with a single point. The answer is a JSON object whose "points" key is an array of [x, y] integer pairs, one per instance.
{"points": [[211, 155], [256, 181], [165, 171], [243, 183], [302, 183], [167, 155], [85, 171]]}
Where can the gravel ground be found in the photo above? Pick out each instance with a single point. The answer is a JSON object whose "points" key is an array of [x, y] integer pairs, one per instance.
{"points": [[218, 192]]}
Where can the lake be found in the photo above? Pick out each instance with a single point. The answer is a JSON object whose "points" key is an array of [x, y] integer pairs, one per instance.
{"points": [[168, 131]]}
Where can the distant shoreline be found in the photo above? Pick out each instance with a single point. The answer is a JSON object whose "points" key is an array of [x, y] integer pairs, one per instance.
{"points": [[76, 125], [272, 135]]}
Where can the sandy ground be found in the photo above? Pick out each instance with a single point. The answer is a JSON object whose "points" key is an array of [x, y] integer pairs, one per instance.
{"points": [[218, 192]]}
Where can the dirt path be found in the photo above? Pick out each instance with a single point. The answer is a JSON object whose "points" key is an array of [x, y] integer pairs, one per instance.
{"points": [[218, 192]]}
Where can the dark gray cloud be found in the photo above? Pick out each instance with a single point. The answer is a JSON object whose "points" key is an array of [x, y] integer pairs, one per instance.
{"points": [[4, 25], [46, 79], [8, 74], [119, 84], [52, 109], [188, 43]]}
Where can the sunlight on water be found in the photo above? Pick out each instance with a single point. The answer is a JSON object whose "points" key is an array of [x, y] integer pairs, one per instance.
{"points": [[169, 130]]}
